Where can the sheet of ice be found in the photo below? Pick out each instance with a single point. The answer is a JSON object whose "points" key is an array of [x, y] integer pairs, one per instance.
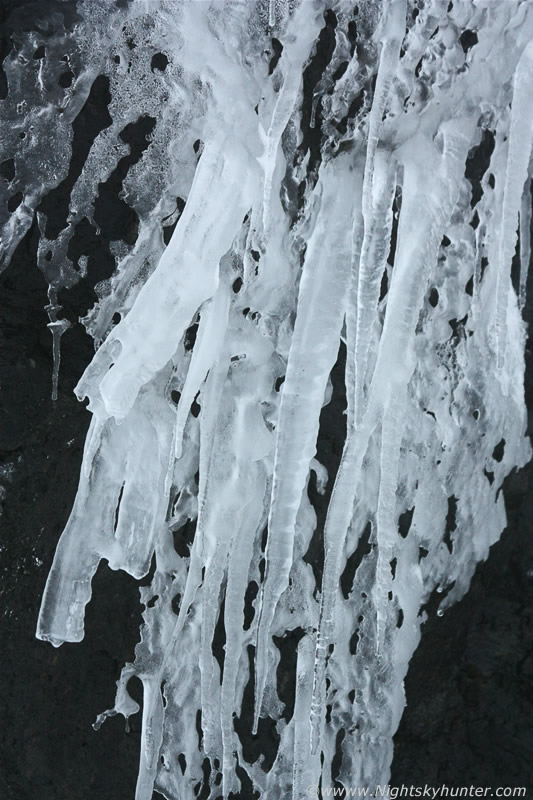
{"points": [[306, 185]]}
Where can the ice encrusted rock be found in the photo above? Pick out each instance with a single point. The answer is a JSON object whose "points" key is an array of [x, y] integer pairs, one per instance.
{"points": [[330, 202]]}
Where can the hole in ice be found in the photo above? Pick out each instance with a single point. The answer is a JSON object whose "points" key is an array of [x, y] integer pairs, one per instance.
{"points": [[266, 742], [477, 163], [339, 72], [182, 761], [384, 285], [393, 564], [422, 553], [7, 169], [277, 49], [184, 537], [475, 413], [352, 32], [433, 297], [445, 242], [458, 329], [515, 264], [218, 644], [451, 522], [190, 336], [14, 202], [201, 789], [237, 284], [151, 603], [354, 641], [468, 40], [199, 729], [249, 610], [115, 319], [469, 286], [404, 522], [159, 62], [279, 382], [117, 509], [168, 230], [175, 603], [489, 476], [286, 671], [499, 450], [330, 441], [399, 621], [336, 763], [255, 255], [65, 79], [196, 407], [363, 549], [175, 396], [198, 146]]}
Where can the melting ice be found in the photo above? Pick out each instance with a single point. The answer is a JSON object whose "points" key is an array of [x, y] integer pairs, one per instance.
{"points": [[307, 198]]}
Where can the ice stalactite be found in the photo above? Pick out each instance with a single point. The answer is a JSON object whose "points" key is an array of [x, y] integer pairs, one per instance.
{"points": [[296, 184]]}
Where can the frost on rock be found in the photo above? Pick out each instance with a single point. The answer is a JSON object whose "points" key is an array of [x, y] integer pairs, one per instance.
{"points": [[305, 198]]}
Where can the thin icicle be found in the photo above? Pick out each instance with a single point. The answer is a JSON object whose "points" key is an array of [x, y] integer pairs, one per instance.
{"points": [[209, 339], [378, 191], [518, 156], [321, 304]]}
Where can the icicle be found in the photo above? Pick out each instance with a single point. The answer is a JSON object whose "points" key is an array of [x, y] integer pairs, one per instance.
{"points": [[209, 339], [57, 327], [378, 191], [386, 523], [186, 276], [291, 63], [518, 156], [239, 563], [321, 304], [525, 239], [281, 245]]}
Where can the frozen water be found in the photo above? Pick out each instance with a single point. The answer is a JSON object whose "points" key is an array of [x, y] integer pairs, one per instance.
{"points": [[321, 155]]}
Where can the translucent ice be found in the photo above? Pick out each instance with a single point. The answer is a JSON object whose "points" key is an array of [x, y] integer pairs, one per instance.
{"points": [[305, 198]]}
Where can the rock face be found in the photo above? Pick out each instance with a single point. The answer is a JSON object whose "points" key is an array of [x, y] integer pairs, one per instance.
{"points": [[469, 702]]}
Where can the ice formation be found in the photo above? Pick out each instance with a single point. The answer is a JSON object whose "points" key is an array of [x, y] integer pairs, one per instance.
{"points": [[327, 189]]}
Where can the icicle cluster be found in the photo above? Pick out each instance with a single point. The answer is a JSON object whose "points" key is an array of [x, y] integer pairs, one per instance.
{"points": [[351, 181]]}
